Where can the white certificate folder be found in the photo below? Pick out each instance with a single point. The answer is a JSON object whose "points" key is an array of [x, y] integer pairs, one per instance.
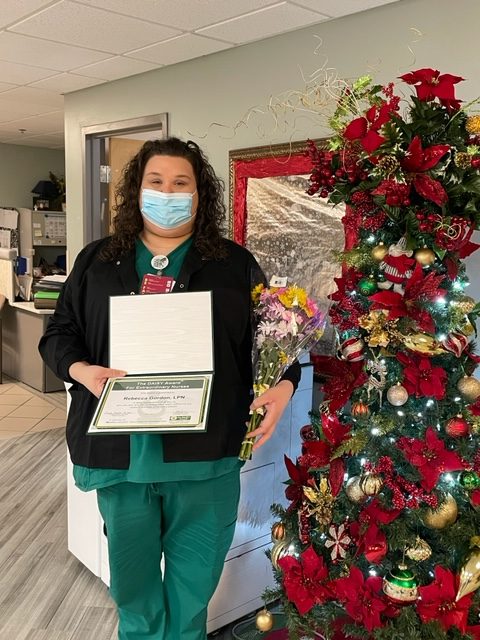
{"points": [[165, 344]]}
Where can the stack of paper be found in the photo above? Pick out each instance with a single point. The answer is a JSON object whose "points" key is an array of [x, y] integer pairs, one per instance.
{"points": [[46, 291]]}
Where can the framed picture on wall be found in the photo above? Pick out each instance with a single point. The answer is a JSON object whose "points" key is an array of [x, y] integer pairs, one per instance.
{"points": [[289, 232]]}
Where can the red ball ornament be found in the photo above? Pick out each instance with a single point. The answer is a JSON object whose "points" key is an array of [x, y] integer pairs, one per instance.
{"points": [[307, 433], [457, 427], [475, 162], [360, 410]]}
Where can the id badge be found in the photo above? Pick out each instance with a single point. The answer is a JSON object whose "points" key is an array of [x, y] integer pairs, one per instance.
{"points": [[152, 283]]}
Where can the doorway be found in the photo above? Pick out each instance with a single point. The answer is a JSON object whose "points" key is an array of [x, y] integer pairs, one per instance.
{"points": [[107, 149]]}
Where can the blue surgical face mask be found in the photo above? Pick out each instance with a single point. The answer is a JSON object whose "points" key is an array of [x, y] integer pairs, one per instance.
{"points": [[166, 210]]}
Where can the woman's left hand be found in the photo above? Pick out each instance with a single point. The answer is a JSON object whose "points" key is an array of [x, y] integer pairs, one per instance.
{"points": [[274, 402]]}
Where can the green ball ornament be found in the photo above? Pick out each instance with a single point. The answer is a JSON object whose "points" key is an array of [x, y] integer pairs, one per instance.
{"points": [[469, 480], [367, 286], [401, 585]]}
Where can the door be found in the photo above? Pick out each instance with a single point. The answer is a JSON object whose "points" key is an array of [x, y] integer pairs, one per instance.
{"points": [[120, 152]]}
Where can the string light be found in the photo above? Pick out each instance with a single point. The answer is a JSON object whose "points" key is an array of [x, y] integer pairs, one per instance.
{"points": [[375, 431], [400, 413]]}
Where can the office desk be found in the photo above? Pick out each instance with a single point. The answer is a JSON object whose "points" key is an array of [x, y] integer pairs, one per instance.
{"points": [[23, 326]]}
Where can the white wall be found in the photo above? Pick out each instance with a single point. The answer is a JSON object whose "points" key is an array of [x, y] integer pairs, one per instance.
{"points": [[222, 87], [21, 167]]}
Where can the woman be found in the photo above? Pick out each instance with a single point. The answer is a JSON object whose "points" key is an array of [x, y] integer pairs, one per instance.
{"points": [[175, 495]]}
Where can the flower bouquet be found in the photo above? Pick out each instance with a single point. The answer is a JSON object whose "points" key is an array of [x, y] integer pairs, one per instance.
{"points": [[289, 322]]}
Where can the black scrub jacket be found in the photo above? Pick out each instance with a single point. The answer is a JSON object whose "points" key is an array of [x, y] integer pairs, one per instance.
{"points": [[78, 330]]}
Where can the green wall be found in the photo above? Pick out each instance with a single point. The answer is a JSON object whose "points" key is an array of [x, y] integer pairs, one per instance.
{"points": [[222, 87], [21, 167]]}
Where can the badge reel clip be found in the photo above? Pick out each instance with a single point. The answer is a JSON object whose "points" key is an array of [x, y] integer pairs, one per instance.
{"points": [[156, 283]]}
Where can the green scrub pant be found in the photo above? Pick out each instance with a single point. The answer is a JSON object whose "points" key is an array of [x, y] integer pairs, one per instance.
{"points": [[192, 524]]}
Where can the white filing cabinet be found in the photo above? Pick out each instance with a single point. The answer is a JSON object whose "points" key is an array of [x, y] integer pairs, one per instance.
{"points": [[247, 571]]}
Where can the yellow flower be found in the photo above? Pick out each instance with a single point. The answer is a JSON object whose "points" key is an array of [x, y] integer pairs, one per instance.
{"points": [[294, 297], [283, 357], [256, 291]]}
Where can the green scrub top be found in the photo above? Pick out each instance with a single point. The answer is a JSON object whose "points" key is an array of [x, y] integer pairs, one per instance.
{"points": [[146, 450]]}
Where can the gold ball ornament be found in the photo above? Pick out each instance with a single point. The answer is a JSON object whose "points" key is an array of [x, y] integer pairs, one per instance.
{"points": [[278, 531], [473, 125], [371, 483], [379, 252], [354, 491], [424, 256], [463, 160], [419, 551], [397, 395], [264, 620], [469, 387], [443, 516], [470, 571], [466, 304]]}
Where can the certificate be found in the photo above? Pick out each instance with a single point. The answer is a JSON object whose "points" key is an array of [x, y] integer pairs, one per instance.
{"points": [[153, 404], [164, 342]]}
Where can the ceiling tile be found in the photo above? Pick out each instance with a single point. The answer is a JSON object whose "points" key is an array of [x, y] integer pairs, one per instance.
{"points": [[184, 47], [66, 82], [93, 28], [11, 110], [59, 57], [37, 96], [335, 8], [49, 140], [118, 67], [44, 123], [21, 73], [183, 14], [4, 86], [12, 11], [263, 23]]}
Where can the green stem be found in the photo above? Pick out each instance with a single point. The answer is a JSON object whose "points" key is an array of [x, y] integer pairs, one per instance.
{"points": [[247, 444]]}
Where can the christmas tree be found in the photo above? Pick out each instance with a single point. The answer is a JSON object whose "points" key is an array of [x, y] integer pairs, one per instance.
{"points": [[381, 538]]}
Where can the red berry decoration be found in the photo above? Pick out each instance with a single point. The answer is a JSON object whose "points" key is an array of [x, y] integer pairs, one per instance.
{"points": [[457, 427]]}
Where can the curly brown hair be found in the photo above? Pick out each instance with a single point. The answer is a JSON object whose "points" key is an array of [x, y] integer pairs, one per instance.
{"points": [[210, 216]]}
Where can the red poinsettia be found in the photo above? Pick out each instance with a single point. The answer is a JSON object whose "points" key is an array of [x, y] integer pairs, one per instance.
{"points": [[315, 454], [371, 541], [365, 129], [418, 160], [299, 477], [345, 376], [334, 431], [437, 601], [430, 457], [418, 289], [305, 581], [430, 84], [421, 377], [363, 599]]}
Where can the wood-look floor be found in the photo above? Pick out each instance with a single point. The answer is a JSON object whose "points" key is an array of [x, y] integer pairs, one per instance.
{"points": [[45, 592]]}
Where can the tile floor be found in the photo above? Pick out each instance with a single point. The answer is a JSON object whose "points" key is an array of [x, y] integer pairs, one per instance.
{"points": [[25, 410]]}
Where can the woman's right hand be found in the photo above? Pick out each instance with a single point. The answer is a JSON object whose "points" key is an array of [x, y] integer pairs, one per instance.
{"points": [[92, 376]]}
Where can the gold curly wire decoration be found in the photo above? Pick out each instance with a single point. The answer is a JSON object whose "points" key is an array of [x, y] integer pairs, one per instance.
{"points": [[315, 102]]}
